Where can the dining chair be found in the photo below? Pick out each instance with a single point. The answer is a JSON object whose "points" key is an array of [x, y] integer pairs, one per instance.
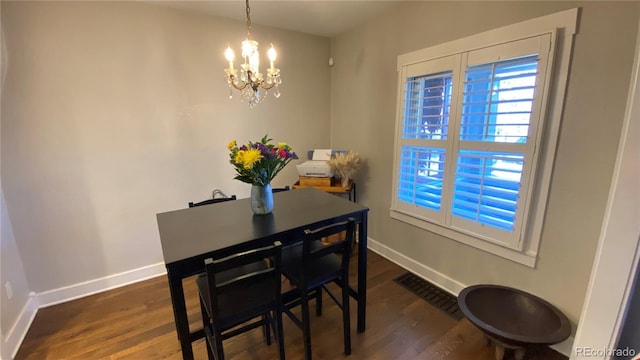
{"points": [[311, 266], [212, 201], [244, 302], [234, 272]]}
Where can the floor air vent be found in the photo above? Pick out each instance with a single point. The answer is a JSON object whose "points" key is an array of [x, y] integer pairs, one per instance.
{"points": [[431, 294]]}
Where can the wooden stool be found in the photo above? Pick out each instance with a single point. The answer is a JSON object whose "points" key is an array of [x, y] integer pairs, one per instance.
{"points": [[519, 350]]}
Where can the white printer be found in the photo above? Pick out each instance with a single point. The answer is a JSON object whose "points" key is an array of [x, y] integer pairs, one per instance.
{"points": [[318, 165]]}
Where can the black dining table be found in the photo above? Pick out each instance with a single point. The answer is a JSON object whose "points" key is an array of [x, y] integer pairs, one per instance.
{"points": [[189, 236]]}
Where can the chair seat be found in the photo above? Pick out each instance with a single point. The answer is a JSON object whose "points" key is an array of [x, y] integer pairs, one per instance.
{"points": [[318, 270]]}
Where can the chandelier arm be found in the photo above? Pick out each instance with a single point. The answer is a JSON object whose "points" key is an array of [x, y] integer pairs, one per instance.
{"points": [[253, 84], [266, 86], [233, 81], [236, 84]]}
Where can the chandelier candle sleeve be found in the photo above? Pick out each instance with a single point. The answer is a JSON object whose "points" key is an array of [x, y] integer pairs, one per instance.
{"points": [[272, 56], [251, 55], [230, 56]]}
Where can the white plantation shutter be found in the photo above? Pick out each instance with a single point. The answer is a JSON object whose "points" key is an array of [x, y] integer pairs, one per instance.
{"points": [[467, 138], [497, 100], [499, 117], [421, 173], [427, 106], [424, 133], [482, 191]]}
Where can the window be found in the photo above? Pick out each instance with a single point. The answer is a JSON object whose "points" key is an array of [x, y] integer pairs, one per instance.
{"points": [[470, 128]]}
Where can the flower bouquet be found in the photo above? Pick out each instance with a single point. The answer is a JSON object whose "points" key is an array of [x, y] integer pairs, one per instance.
{"points": [[257, 163]]}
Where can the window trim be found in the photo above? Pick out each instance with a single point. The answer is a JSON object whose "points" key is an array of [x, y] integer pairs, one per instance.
{"points": [[562, 27]]}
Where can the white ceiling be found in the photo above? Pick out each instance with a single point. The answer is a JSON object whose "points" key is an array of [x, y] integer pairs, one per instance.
{"points": [[318, 17]]}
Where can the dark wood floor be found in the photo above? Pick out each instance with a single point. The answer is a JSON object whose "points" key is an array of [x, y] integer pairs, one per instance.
{"points": [[136, 322]]}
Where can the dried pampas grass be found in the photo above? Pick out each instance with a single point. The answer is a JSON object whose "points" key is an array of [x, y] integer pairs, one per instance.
{"points": [[345, 165]]}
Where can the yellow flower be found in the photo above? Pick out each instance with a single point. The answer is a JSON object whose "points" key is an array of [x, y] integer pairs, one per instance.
{"points": [[282, 145], [232, 144], [240, 156], [250, 157]]}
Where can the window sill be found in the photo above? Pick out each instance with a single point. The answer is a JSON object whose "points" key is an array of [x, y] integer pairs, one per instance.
{"points": [[526, 257]]}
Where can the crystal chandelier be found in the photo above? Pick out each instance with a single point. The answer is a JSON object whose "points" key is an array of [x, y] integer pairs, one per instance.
{"points": [[248, 79]]}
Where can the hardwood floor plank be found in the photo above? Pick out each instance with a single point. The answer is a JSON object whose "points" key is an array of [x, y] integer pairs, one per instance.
{"points": [[136, 322]]}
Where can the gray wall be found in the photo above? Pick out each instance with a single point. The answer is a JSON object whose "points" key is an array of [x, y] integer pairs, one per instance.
{"points": [[115, 111], [11, 267], [363, 98], [12, 271]]}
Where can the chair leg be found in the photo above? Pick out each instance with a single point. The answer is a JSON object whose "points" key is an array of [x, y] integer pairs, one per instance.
{"points": [[319, 301], [279, 332], [205, 324], [306, 326], [346, 318], [217, 339], [266, 328]]}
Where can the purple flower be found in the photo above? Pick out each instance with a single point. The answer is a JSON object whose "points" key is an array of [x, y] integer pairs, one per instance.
{"points": [[264, 149]]}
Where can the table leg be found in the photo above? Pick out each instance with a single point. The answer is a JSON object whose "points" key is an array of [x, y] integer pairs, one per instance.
{"points": [[353, 188], [362, 273], [180, 314]]}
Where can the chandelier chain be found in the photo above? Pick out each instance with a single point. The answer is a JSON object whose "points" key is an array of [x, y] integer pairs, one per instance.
{"points": [[248, 20]]}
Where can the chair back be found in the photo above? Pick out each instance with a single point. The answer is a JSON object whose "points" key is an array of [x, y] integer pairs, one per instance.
{"points": [[212, 201], [276, 190], [252, 292], [344, 245]]}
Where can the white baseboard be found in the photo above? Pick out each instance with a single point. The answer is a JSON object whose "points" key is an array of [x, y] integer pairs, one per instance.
{"points": [[444, 282], [72, 292], [437, 278], [565, 348], [18, 331]]}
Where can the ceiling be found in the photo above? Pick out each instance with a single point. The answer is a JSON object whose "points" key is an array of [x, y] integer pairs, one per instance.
{"points": [[319, 17]]}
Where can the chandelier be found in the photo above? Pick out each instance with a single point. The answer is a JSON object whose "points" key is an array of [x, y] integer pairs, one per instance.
{"points": [[252, 84]]}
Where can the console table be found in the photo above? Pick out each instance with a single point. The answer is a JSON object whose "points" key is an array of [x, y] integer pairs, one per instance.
{"points": [[334, 189]]}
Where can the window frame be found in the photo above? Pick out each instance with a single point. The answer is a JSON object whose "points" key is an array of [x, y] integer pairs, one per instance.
{"points": [[560, 28]]}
